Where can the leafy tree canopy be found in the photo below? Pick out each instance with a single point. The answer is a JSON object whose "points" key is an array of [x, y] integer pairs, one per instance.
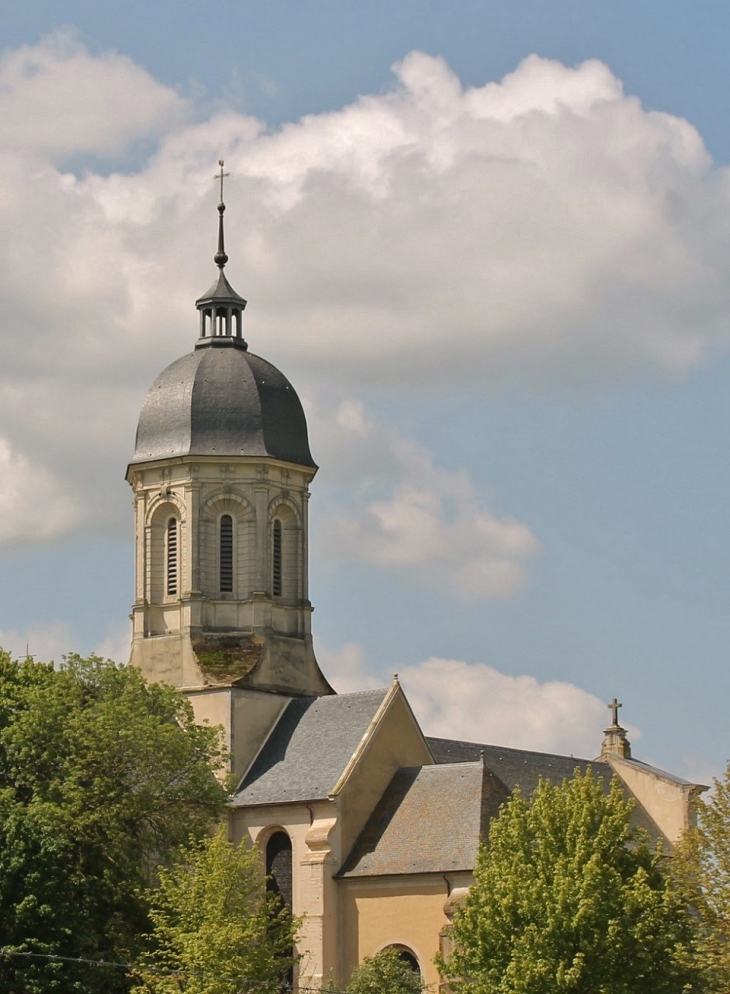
{"points": [[102, 777], [702, 865], [386, 972], [567, 898], [216, 930]]}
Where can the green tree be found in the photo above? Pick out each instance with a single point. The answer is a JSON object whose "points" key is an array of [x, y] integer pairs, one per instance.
{"points": [[702, 865], [567, 898], [386, 972], [102, 778], [216, 930]]}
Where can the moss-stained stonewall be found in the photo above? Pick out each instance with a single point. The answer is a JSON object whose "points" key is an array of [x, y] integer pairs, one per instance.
{"points": [[227, 658]]}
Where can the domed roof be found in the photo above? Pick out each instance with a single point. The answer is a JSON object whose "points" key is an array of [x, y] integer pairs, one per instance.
{"points": [[222, 401]]}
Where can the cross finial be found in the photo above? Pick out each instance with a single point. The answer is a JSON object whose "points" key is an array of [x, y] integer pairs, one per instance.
{"points": [[221, 176], [220, 258], [613, 708]]}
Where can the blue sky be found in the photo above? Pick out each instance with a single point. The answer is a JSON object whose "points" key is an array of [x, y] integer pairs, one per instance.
{"points": [[545, 357]]}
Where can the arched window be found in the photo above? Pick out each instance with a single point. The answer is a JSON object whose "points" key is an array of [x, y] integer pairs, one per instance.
{"points": [[279, 879], [276, 559], [406, 956], [172, 556], [226, 554], [279, 867]]}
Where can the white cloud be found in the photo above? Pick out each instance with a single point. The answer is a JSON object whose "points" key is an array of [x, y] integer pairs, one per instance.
{"points": [[346, 668], [57, 98], [116, 643], [34, 505], [410, 517], [477, 703], [474, 702], [45, 642], [544, 229], [51, 641]]}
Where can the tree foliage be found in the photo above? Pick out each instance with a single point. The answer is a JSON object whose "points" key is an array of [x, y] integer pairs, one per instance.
{"points": [[702, 865], [386, 972], [102, 777], [216, 930], [567, 898]]}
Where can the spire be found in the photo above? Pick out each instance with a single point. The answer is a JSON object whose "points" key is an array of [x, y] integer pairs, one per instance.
{"points": [[615, 742], [220, 258], [221, 308]]}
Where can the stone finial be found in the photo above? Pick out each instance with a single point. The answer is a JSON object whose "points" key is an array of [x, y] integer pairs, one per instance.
{"points": [[615, 742]]}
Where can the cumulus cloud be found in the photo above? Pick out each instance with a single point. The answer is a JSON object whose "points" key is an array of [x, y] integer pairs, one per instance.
{"points": [[346, 667], [477, 703], [51, 641], [544, 229], [116, 643], [46, 643], [409, 516], [474, 702], [57, 98], [34, 505]]}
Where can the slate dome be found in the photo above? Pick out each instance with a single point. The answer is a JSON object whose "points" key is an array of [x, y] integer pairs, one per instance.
{"points": [[222, 401]]}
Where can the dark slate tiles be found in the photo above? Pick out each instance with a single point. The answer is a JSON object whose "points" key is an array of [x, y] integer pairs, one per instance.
{"points": [[309, 749]]}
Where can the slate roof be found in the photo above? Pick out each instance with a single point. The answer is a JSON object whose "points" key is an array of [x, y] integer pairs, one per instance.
{"points": [[516, 767], [221, 400], [221, 290], [429, 820], [521, 768], [309, 748]]}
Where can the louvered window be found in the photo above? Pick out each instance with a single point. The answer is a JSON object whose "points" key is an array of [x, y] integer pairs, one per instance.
{"points": [[172, 556], [276, 559], [226, 554]]}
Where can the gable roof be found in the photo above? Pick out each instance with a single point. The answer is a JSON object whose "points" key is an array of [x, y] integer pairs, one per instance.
{"points": [[517, 768], [429, 820], [522, 769], [309, 748]]}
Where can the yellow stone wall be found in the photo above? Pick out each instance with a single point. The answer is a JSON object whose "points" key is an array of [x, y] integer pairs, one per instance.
{"points": [[395, 741], [399, 911], [666, 800]]}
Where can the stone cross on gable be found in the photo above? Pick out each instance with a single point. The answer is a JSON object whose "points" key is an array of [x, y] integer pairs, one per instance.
{"points": [[613, 708]]}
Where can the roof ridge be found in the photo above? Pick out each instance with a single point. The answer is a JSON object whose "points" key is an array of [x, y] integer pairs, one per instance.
{"points": [[355, 693], [488, 745], [440, 766]]}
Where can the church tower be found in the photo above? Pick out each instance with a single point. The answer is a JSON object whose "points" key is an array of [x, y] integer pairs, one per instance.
{"points": [[221, 474]]}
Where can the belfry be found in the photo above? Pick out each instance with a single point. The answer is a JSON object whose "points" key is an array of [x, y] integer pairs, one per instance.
{"points": [[221, 473]]}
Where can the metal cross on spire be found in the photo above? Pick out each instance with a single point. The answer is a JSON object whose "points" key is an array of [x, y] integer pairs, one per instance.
{"points": [[220, 258], [221, 176], [613, 708]]}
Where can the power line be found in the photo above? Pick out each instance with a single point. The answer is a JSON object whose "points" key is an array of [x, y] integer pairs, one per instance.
{"points": [[6, 952]]}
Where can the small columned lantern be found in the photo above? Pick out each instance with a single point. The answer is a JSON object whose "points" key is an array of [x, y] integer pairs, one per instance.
{"points": [[221, 308]]}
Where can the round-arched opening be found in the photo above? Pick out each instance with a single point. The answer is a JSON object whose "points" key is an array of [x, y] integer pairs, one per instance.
{"points": [[171, 557], [279, 867], [225, 554], [276, 577], [279, 880], [407, 956]]}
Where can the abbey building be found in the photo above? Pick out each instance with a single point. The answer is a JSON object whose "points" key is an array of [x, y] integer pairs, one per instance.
{"points": [[369, 827]]}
